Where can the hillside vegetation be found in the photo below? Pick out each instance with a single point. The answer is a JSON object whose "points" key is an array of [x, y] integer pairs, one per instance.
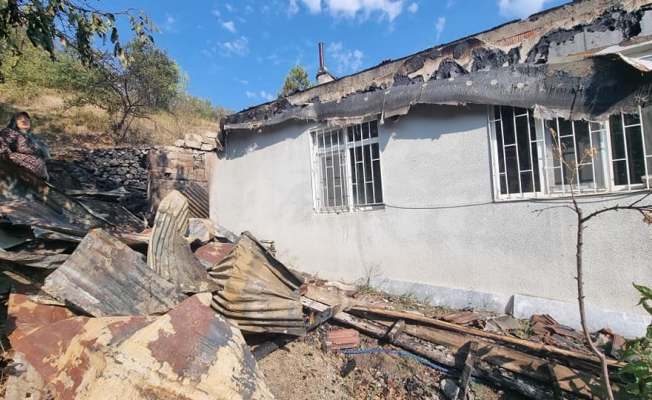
{"points": [[106, 104]]}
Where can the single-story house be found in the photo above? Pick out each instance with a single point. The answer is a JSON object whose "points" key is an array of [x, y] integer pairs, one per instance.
{"points": [[445, 175]]}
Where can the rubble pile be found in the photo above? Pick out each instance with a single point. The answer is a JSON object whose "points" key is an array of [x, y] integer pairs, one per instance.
{"points": [[103, 308]]}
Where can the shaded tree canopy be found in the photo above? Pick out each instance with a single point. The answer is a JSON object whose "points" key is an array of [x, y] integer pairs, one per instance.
{"points": [[74, 24], [296, 80]]}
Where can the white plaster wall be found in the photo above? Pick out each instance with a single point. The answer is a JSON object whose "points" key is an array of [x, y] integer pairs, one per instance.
{"points": [[440, 225]]}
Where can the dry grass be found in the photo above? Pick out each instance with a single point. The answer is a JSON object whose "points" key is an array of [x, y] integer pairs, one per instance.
{"points": [[62, 128]]}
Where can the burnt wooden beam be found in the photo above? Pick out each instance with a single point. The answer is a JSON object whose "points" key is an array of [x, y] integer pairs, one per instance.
{"points": [[496, 376]]}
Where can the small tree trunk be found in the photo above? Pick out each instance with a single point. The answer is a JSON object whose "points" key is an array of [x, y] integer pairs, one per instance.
{"points": [[580, 300]]}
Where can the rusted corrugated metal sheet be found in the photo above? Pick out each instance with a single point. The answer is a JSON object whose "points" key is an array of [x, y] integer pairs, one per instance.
{"points": [[258, 292], [189, 353], [104, 277], [27, 199], [169, 254]]}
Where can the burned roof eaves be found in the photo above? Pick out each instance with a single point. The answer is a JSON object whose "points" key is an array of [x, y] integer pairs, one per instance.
{"points": [[490, 51]]}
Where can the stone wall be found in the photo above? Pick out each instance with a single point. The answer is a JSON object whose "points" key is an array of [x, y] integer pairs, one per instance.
{"points": [[104, 170], [146, 173]]}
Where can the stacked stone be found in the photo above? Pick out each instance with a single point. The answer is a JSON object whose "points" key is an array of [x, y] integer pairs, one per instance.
{"points": [[105, 170]]}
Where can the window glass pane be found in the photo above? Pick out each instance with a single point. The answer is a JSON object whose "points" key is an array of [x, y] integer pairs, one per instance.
{"points": [[365, 130], [367, 163], [509, 135], [361, 187], [565, 127], [321, 140], [583, 141], [535, 167], [378, 189], [620, 172], [503, 184], [632, 119], [374, 129], [499, 144], [349, 132], [586, 173], [617, 137], [635, 154], [533, 131], [527, 182], [523, 135], [370, 193], [375, 151], [647, 128], [512, 170]]}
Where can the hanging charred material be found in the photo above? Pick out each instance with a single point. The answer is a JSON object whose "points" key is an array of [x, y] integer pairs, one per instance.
{"points": [[258, 292]]}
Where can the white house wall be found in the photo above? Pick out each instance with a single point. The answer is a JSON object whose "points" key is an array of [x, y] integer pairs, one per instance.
{"points": [[441, 235]]}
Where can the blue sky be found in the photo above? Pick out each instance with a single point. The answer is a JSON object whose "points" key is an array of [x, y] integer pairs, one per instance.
{"points": [[238, 52]]}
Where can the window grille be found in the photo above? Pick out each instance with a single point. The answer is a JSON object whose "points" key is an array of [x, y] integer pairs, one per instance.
{"points": [[532, 157], [346, 169]]}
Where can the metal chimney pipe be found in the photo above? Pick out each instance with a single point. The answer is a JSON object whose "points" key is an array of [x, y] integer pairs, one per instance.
{"points": [[321, 55]]}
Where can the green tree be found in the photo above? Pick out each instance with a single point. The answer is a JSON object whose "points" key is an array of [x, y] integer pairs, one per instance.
{"points": [[71, 23], [148, 82], [295, 81]]}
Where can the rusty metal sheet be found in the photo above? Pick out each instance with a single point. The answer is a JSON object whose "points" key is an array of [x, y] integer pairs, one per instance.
{"points": [[189, 353], [27, 199], [258, 292], [169, 253], [105, 277], [28, 308], [212, 253]]}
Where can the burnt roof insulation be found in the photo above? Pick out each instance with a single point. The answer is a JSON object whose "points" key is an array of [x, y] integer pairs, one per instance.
{"points": [[509, 65]]}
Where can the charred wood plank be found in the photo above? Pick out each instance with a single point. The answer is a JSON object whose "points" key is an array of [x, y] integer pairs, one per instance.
{"points": [[535, 348], [468, 370], [104, 277], [570, 379], [500, 377]]}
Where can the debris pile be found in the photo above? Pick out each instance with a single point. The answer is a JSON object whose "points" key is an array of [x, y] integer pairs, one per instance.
{"points": [[186, 308]]}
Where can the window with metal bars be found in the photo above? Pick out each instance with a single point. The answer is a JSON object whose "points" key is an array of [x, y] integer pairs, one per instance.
{"points": [[346, 168], [533, 157]]}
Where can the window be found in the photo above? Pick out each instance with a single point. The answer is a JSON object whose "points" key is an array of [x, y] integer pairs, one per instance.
{"points": [[534, 157], [346, 168]]}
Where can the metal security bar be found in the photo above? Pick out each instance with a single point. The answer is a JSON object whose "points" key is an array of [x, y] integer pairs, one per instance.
{"points": [[572, 149], [517, 171], [346, 168], [631, 149]]}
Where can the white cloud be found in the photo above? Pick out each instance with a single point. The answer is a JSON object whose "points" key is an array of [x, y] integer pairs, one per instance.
{"points": [[314, 6], [347, 61], [229, 26], [267, 96], [439, 27], [450, 3], [293, 8], [216, 12], [351, 8], [229, 7], [414, 7], [251, 95], [238, 47], [170, 22], [520, 8], [249, 9]]}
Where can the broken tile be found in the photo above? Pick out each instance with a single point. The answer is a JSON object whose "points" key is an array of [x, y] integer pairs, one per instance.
{"points": [[341, 339]]}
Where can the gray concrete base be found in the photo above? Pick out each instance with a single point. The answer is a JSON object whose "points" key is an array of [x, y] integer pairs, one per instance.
{"points": [[626, 324]]}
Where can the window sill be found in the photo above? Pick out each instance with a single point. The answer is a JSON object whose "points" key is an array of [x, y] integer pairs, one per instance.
{"points": [[567, 195], [350, 210]]}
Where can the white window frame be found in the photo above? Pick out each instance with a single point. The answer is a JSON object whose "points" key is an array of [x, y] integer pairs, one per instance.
{"points": [[346, 191], [602, 164]]}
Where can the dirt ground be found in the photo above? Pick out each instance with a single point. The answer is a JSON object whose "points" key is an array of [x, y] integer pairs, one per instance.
{"points": [[302, 371]]}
